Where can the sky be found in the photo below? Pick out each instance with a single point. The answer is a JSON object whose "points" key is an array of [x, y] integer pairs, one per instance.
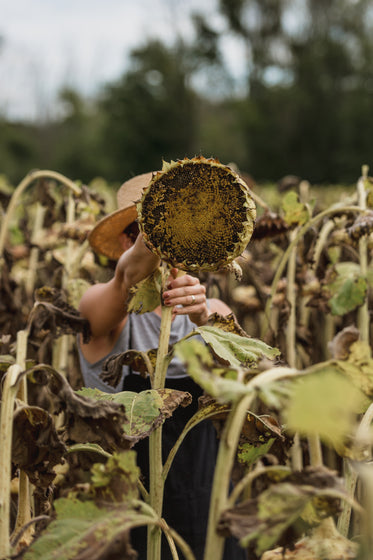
{"points": [[47, 44]]}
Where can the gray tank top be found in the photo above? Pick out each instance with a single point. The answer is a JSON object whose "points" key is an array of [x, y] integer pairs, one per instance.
{"points": [[141, 332]]}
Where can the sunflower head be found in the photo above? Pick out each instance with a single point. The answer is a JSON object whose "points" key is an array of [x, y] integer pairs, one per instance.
{"points": [[196, 214]]}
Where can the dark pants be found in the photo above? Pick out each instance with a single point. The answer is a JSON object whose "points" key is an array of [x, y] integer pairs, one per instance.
{"points": [[189, 482]]}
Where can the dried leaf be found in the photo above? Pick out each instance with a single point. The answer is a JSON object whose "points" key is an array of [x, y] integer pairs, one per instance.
{"points": [[116, 481], [100, 529], [340, 345], [276, 515], [86, 419], [142, 362], [36, 446], [52, 312], [258, 435], [269, 225], [362, 226], [146, 295], [145, 411]]}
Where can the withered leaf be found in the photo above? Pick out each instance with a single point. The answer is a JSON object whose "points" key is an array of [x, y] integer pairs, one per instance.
{"points": [[226, 323], [98, 529], [269, 225], [36, 447], [146, 295], [116, 481], [145, 411], [52, 312], [142, 362], [280, 514], [259, 435], [86, 419], [340, 345], [363, 225]]}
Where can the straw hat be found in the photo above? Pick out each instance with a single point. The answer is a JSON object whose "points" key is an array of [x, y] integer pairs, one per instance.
{"points": [[104, 237]]}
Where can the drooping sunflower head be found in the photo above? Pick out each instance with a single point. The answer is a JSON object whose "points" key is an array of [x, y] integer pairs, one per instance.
{"points": [[196, 214]]}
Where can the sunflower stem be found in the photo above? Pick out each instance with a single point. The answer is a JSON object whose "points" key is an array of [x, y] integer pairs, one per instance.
{"points": [[24, 490], [285, 257], [10, 387], [363, 310], [156, 481], [219, 497]]}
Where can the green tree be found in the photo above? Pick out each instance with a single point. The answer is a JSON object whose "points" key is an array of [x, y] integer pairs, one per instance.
{"points": [[308, 108], [150, 113]]}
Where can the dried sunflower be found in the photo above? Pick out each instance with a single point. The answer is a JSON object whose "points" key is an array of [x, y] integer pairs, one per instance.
{"points": [[196, 214]]}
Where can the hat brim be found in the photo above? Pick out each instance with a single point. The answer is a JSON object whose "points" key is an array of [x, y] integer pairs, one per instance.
{"points": [[105, 236]]}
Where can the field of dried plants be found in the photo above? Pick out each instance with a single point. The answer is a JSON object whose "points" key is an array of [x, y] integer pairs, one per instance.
{"points": [[289, 391]]}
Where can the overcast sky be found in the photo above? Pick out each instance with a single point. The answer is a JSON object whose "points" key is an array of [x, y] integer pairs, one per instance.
{"points": [[80, 43]]}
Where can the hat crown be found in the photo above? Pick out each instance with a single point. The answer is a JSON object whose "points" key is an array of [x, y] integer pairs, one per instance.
{"points": [[130, 192]]}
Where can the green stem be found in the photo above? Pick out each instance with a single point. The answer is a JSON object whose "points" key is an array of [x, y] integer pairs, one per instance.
{"points": [[24, 495], [291, 296], [315, 451], [156, 481], [227, 449], [350, 476], [363, 311], [164, 338], [34, 254], [10, 387], [281, 266], [219, 496], [156, 488]]}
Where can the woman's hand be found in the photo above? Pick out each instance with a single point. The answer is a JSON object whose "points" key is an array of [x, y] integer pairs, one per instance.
{"points": [[187, 297]]}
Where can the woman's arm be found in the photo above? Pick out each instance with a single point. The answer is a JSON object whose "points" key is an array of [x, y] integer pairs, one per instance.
{"points": [[105, 305]]}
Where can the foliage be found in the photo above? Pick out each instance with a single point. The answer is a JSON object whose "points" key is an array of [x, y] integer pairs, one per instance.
{"points": [[75, 445], [303, 105]]}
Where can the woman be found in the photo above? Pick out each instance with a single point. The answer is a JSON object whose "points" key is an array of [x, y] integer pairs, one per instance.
{"points": [[188, 485]]}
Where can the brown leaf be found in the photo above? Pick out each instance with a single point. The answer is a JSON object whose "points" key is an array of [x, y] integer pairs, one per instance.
{"points": [[269, 225], [142, 362], [279, 515], [52, 312], [362, 226], [36, 446], [86, 419], [226, 323], [339, 347]]}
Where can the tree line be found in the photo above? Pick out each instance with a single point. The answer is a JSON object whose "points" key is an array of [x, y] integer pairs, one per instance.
{"points": [[306, 108]]}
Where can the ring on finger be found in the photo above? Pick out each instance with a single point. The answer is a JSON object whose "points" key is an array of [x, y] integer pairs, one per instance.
{"points": [[193, 299]]}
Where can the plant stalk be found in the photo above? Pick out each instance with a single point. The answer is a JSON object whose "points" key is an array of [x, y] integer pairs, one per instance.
{"points": [[291, 296], [156, 481], [219, 497], [24, 492], [281, 266], [350, 475], [363, 311], [10, 387]]}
